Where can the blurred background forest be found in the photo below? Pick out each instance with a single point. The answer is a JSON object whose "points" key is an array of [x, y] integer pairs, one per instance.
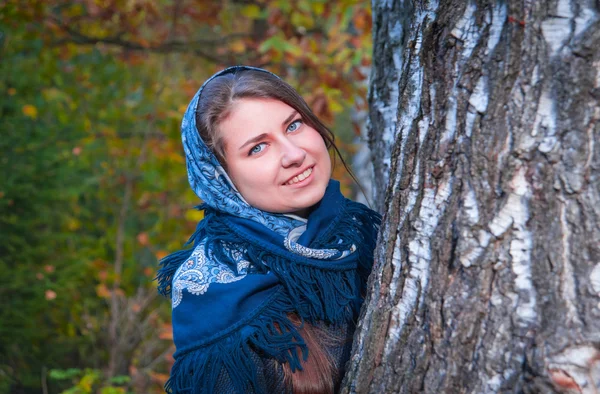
{"points": [[94, 190]]}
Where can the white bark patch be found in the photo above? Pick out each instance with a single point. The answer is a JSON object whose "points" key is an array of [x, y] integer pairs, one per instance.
{"points": [[480, 97], [397, 264], [585, 17], [409, 113], [567, 283], [411, 200], [520, 249], [498, 19], [557, 28], [450, 125], [470, 122], [498, 346], [545, 122], [388, 107], [479, 101], [388, 111], [577, 362], [431, 210], [595, 279], [468, 258], [466, 30], [503, 220], [592, 124], [471, 206], [418, 274]]}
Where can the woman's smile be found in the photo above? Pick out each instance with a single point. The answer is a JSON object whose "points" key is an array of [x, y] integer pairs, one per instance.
{"points": [[301, 177]]}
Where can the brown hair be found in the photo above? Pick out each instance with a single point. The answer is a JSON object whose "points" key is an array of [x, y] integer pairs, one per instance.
{"points": [[214, 105], [318, 374]]}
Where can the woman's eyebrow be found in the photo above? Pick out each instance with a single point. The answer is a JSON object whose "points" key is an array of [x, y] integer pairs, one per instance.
{"points": [[254, 139], [263, 135], [289, 118]]}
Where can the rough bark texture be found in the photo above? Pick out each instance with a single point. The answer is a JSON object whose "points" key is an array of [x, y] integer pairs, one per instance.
{"points": [[484, 125]]}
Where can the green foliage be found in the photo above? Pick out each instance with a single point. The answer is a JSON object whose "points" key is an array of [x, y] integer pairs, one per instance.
{"points": [[90, 381]]}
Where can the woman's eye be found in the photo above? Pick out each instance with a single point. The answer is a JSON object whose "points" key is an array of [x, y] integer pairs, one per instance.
{"points": [[257, 149], [294, 125]]}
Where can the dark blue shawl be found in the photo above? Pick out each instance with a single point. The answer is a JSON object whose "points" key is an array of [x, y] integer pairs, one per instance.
{"points": [[248, 269]]}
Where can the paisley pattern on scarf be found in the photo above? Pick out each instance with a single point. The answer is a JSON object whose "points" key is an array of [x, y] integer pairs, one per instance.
{"points": [[198, 272], [290, 244]]}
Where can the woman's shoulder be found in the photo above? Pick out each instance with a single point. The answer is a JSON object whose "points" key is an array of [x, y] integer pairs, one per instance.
{"points": [[223, 296]]}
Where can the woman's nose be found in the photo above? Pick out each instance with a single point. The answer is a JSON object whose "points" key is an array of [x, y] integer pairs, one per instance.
{"points": [[292, 155]]}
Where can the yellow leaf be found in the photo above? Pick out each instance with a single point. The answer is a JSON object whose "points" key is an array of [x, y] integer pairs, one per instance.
{"points": [[318, 8], [30, 111], [238, 46], [73, 224], [335, 106], [12, 91], [194, 215], [251, 11], [87, 124]]}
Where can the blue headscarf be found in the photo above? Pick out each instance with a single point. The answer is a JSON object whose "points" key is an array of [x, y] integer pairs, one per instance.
{"points": [[248, 269]]}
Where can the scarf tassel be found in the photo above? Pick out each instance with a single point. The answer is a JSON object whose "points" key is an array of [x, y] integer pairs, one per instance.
{"points": [[271, 334]]}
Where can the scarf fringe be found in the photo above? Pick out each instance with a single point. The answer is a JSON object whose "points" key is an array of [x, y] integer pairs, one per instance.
{"points": [[269, 334], [320, 292], [333, 296], [367, 230]]}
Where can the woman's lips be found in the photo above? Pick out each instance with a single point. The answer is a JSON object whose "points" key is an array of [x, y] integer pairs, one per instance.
{"points": [[301, 178]]}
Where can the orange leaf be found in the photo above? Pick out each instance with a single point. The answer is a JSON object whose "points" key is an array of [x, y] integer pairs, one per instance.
{"points": [[143, 239], [161, 254], [102, 291], [166, 332], [30, 111]]}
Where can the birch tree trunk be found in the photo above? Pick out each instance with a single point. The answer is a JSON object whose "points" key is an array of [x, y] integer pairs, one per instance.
{"points": [[484, 127]]}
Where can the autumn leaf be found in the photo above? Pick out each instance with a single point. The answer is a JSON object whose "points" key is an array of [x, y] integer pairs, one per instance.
{"points": [[166, 332], [194, 215], [143, 239], [30, 111], [161, 254], [102, 291]]}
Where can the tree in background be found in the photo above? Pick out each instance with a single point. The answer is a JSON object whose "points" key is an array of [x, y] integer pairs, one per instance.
{"points": [[484, 123], [94, 189]]}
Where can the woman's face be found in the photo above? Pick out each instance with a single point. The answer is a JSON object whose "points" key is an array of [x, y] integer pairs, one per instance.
{"points": [[278, 163]]}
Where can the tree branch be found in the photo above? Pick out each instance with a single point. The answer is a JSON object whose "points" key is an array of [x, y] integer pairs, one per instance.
{"points": [[171, 46]]}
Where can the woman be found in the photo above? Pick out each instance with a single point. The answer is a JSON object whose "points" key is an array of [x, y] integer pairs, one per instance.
{"points": [[267, 298]]}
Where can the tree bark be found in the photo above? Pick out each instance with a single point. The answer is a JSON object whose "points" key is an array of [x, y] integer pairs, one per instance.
{"points": [[487, 276]]}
